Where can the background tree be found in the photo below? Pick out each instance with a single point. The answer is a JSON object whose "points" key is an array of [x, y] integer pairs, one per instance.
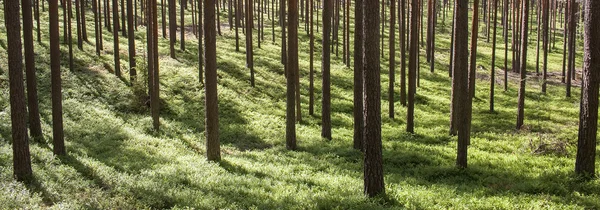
{"points": [[311, 100], [58, 139], [201, 34], [460, 89], [35, 126], [373, 160], [132, 70], [571, 44], [412, 64], [493, 71], [292, 64], [588, 116], [213, 151], [18, 112], [523, 63], [392, 58], [546, 19], [473, 55], [172, 27], [358, 75], [249, 50], [402, 28], [182, 19], [116, 37], [326, 102]]}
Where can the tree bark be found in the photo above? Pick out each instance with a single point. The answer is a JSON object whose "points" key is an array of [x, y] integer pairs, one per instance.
{"points": [[213, 152], [131, 39], [292, 64], [373, 160], [460, 71], [116, 37], [55, 80], [35, 126], [358, 76], [523, 63], [412, 64], [18, 111], [392, 58], [588, 116], [326, 102]]}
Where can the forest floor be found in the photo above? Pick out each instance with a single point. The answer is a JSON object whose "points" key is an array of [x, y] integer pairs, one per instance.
{"points": [[116, 161]]}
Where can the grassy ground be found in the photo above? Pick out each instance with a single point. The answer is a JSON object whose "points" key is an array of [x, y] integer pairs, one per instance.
{"points": [[116, 160]]}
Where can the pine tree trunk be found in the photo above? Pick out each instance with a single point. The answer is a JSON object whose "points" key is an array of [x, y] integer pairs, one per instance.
{"points": [[213, 151], [588, 117], [392, 58], [116, 37], [523, 63], [18, 111], [460, 75], [373, 160], [131, 39], [57, 119], [358, 76], [412, 64], [292, 64], [326, 102]]}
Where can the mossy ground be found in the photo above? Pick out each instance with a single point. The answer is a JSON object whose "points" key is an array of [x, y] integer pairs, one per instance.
{"points": [[116, 160]]}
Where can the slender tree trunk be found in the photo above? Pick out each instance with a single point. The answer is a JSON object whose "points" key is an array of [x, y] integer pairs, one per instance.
{"points": [[311, 88], [588, 117], [523, 68], [505, 16], [32, 98], [358, 76], [326, 102], [97, 29], [116, 37], [201, 35], [392, 58], [473, 55], [69, 33], [493, 72], [57, 120], [182, 32], [460, 80], [131, 39], [172, 27], [18, 111], [249, 50], [402, 52], [163, 18], [572, 34], [412, 64], [292, 64], [546, 18], [78, 18], [37, 20], [373, 160], [213, 151]]}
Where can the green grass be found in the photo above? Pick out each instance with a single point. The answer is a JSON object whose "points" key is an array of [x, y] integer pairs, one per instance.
{"points": [[116, 160]]}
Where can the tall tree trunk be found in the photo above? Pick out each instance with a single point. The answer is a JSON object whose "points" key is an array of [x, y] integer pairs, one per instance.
{"points": [[58, 139], [69, 33], [392, 58], [163, 18], [588, 117], [213, 151], [412, 64], [460, 80], [201, 35], [358, 76], [18, 111], [505, 17], [182, 32], [249, 50], [373, 160], [116, 37], [572, 34], [35, 126], [311, 88], [402, 27], [97, 29], [493, 72], [523, 63], [131, 39], [473, 55], [292, 64], [172, 27], [78, 18], [546, 24], [326, 102]]}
